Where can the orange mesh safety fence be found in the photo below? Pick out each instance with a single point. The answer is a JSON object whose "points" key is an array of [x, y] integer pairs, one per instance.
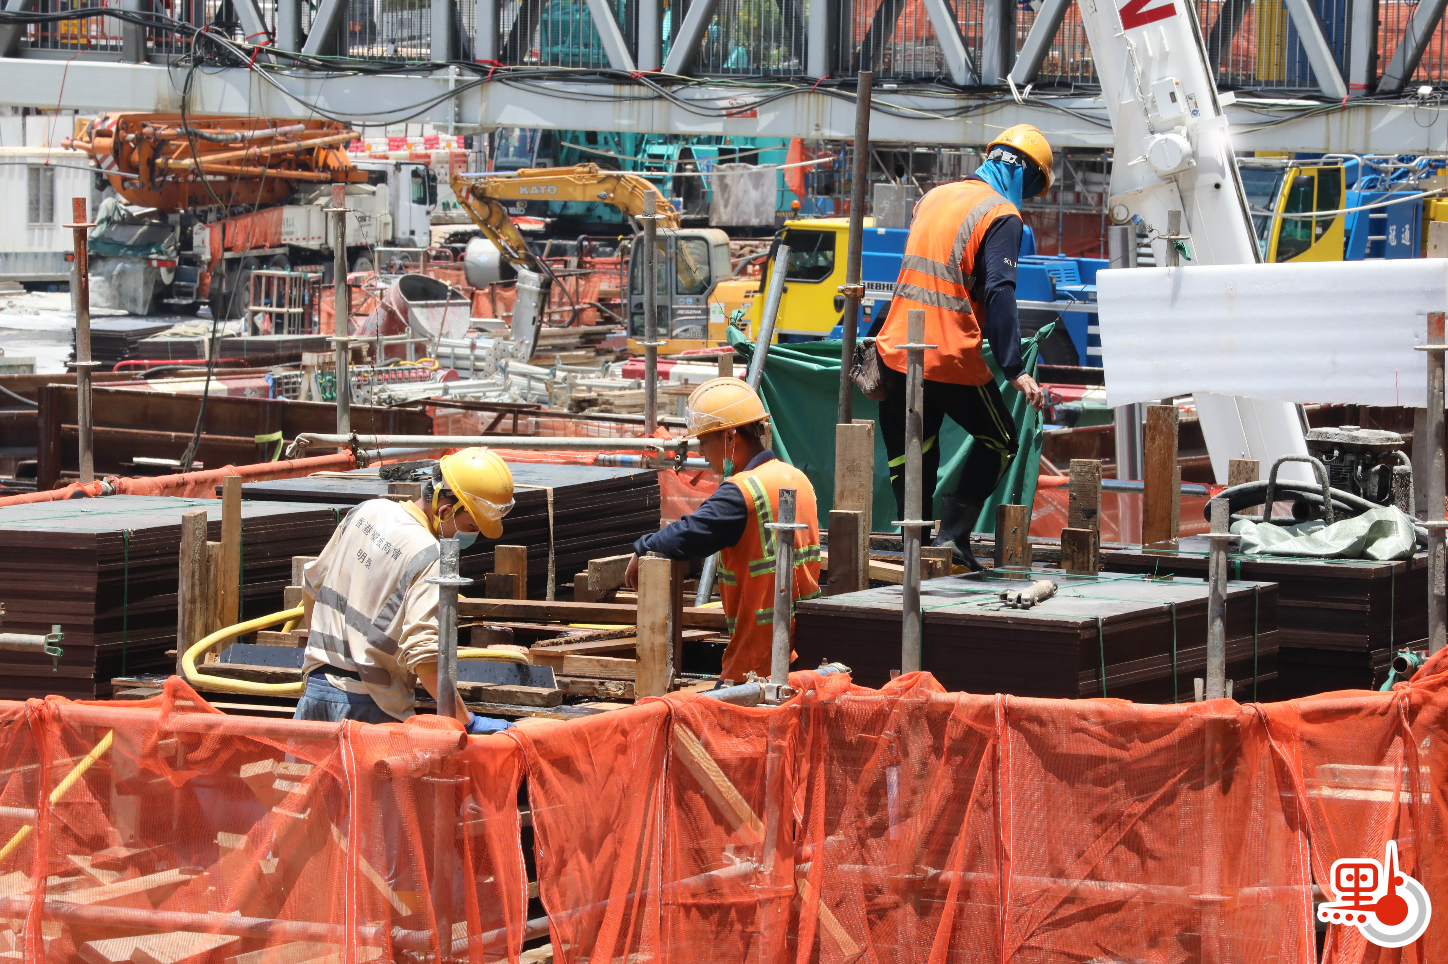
{"points": [[1120, 512], [848, 825]]}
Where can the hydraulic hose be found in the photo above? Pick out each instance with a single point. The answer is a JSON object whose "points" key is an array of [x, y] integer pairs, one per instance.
{"points": [[1346, 504], [290, 616]]}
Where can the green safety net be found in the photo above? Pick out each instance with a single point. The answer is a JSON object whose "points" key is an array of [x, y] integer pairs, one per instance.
{"points": [[801, 389]]}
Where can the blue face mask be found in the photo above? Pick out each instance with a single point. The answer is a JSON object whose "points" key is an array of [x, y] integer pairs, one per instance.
{"points": [[1006, 178], [465, 539]]}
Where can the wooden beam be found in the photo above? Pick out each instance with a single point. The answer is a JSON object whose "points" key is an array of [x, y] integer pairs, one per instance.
{"points": [[659, 613], [581, 592], [935, 561], [1084, 498], [558, 611], [1078, 551], [500, 585], [1161, 497], [1242, 471], [855, 481], [847, 539], [601, 667], [191, 585], [716, 786], [606, 574], [228, 570], [1012, 537], [514, 560]]}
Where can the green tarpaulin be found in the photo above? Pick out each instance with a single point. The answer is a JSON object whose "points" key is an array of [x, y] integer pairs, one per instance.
{"points": [[801, 389]]}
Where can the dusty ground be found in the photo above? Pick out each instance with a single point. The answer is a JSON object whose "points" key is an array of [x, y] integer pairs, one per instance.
{"points": [[41, 325]]}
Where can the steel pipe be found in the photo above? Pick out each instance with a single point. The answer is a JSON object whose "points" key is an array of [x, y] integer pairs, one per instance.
{"points": [[370, 442], [784, 531], [1437, 563], [341, 309], [853, 290], [752, 694], [85, 409], [449, 581], [1216, 687], [651, 313], [912, 622]]}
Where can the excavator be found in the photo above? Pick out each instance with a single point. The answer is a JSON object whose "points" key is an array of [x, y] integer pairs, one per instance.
{"points": [[698, 257]]}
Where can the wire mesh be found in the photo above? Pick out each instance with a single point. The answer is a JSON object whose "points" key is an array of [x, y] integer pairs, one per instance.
{"points": [[1068, 61], [396, 30], [750, 38], [893, 38], [1259, 46], [558, 33], [1393, 19]]}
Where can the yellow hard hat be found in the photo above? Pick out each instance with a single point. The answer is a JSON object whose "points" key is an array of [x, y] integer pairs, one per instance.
{"points": [[722, 403], [1028, 140], [481, 480]]}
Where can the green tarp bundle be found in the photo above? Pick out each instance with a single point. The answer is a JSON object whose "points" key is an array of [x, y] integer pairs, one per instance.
{"points": [[801, 389]]}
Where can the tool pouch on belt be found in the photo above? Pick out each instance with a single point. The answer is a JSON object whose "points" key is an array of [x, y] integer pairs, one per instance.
{"points": [[867, 373]]}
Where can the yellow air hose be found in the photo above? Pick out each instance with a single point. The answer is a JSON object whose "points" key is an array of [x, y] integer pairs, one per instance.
{"points": [[227, 685]]}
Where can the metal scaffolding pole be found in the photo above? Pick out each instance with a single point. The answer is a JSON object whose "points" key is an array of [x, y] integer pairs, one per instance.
{"points": [[651, 341], [85, 411], [910, 529], [1437, 563], [853, 289]]}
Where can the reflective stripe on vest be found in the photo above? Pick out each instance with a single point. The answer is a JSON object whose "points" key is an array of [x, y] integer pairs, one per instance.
{"points": [[937, 273]]}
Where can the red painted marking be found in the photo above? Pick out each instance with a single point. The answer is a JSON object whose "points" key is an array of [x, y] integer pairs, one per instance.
{"points": [[1134, 13]]}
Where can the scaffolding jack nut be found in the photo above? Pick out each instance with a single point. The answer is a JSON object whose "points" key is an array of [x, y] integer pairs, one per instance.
{"points": [[855, 291]]}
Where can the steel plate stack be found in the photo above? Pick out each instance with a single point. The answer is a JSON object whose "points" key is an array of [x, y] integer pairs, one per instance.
{"points": [[596, 512], [1097, 636], [1340, 619], [106, 570]]}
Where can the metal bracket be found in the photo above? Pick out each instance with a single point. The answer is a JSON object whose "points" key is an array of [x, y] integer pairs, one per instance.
{"points": [[56, 635]]}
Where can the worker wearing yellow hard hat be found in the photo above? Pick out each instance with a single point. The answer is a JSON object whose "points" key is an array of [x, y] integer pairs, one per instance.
{"points": [[960, 269], [730, 422], [373, 635]]}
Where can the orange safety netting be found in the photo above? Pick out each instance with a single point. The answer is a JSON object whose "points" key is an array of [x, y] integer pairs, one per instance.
{"points": [[848, 825], [1120, 512]]}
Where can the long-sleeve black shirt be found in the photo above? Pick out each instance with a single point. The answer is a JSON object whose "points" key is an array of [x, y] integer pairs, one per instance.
{"points": [[717, 524], [995, 289]]}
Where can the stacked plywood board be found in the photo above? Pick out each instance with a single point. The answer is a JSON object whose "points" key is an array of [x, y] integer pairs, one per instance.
{"points": [[1097, 633], [1340, 620], [592, 512], [106, 569]]}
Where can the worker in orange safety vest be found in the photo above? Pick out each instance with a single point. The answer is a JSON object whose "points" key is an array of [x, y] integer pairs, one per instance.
{"points": [[729, 420], [959, 267]]}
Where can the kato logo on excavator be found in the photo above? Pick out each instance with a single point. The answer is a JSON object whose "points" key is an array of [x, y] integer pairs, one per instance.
{"points": [[537, 189], [1139, 13]]}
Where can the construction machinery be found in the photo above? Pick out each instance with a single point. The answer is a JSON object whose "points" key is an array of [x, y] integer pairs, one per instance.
{"points": [[201, 203], [690, 262]]}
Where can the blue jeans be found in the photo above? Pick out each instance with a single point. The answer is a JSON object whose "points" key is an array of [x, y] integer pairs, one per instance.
{"points": [[323, 702]]}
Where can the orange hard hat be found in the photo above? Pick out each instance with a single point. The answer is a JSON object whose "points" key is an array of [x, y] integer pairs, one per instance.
{"points": [[1027, 139], [722, 403]]}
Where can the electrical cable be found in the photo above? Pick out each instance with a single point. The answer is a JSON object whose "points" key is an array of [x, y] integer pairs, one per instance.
{"points": [[19, 398]]}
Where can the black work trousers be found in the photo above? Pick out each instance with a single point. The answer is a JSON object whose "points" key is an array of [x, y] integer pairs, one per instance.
{"points": [[979, 409]]}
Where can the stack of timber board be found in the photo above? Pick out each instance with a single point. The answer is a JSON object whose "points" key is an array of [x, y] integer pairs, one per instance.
{"points": [[106, 570], [596, 512], [1060, 648], [1340, 621], [117, 339]]}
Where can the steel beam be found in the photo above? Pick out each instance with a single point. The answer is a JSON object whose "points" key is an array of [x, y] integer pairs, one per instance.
{"points": [[289, 25], [253, 24], [998, 41], [608, 31], [689, 36], [1416, 38], [444, 42], [11, 33], [1319, 51], [485, 40], [1257, 125], [133, 36], [650, 34], [1038, 41], [882, 25], [821, 40], [952, 44], [1362, 45], [327, 27]]}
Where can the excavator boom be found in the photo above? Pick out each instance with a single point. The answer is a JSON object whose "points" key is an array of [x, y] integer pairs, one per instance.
{"points": [[483, 199]]}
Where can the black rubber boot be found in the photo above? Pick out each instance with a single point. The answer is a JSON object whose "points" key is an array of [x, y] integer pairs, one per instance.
{"points": [[955, 528]]}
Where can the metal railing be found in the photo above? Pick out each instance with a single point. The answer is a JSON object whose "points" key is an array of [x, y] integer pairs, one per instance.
{"points": [[1253, 44]]}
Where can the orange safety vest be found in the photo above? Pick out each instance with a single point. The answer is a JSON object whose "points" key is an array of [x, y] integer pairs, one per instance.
{"points": [[746, 571], [937, 275]]}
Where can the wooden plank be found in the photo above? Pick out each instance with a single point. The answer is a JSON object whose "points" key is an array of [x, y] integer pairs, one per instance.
{"points": [[581, 591], [657, 626], [296, 639], [716, 786], [1242, 471], [1162, 494], [606, 667], [1078, 550], [612, 614], [1012, 537], [191, 586], [513, 560], [846, 538], [1084, 500], [935, 561], [227, 589], [500, 585], [213, 599], [510, 695], [855, 481], [299, 565], [1176, 504], [596, 689], [606, 574], [597, 647], [149, 884], [175, 947], [303, 952]]}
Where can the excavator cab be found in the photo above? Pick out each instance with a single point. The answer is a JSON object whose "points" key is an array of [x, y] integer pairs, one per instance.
{"points": [[688, 266]]}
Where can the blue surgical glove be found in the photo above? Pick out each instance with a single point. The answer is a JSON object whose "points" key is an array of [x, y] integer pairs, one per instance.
{"points": [[486, 724]]}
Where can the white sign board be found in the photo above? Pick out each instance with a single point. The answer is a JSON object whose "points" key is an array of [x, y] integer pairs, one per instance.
{"points": [[1333, 331]]}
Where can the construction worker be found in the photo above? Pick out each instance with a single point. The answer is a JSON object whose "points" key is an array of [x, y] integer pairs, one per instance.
{"points": [[960, 269], [373, 632], [729, 420]]}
